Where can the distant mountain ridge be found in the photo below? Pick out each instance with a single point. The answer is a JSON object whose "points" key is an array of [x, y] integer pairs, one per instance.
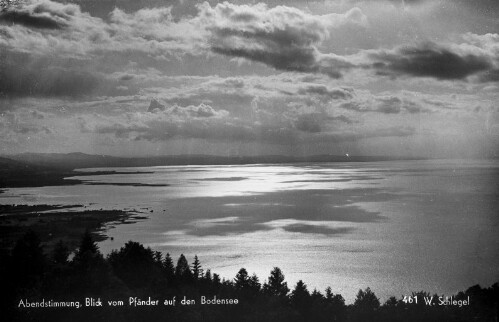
{"points": [[18, 173], [70, 161]]}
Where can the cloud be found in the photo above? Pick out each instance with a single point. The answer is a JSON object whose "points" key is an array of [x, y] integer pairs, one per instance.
{"points": [[341, 118], [428, 60], [204, 122], [200, 111], [490, 76], [21, 76], [391, 103], [282, 37], [309, 123], [326, 93], [43, 14], [23, 122], [394, 105], [44, 27], [165, 123], [316, 229], [29, 20]]}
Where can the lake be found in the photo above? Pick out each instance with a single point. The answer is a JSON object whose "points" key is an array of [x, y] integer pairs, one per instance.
{"points": [[396, 227]]}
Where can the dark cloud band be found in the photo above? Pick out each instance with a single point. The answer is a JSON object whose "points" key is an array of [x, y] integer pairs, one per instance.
{"points": [[429, 60]]}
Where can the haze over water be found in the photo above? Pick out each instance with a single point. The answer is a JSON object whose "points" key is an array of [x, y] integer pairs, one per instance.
{"points": [[396, 227]]}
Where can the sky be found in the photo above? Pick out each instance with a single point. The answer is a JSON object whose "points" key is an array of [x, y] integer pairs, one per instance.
{"points": [[415, 78]]}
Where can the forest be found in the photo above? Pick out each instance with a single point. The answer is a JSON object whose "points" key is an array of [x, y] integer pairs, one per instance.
{"points": [[136, 283]]}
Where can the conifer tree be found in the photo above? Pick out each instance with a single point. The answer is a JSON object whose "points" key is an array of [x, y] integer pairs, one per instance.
{"points": [[87, 244], [207, 275], [254, 283], [28, 259], [60, 253], [183, 271], [197, 271], [242, 279], [168, 268], [158, 258], [216, 279], [316, 295], [329, 293], [391, 302], [136, 265], [276, 286], [366, 300], [300, 297]]}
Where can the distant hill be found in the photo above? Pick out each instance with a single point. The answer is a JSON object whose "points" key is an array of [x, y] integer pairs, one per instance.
{"points": [[15, 173], [67, 161], [71, 161]]}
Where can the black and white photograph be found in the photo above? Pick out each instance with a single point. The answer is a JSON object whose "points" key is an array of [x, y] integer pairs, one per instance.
{"points": [[249, 160]]}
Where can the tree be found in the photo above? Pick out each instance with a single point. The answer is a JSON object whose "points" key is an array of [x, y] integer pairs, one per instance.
{"points": [[335, 305], [300, 297], [216, 279], [391, 302], [87, 244], [168, 268], [183, 271], [316, 295], [276, 286], [136, 265], [91, 273], [207, 275], [60, 253], [158, 258], [197, 271], [329, 293], [28, 259], [254, 284], [366, 300], [242, 279]]}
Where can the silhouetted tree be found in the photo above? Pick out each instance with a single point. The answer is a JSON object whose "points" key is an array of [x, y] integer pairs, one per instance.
{"points": [[335, 305], [366, 300], [197, 271], [242, 279], [182, 270], [300, 297], [328, 293], [88, 261], [276, 286], [87, 244], [391, 302], [158, 258], [254, 284], [60, 253], [137, 266], [207, 275], [216, 280], [365, 306], [316, 295], [168, 268], [28, 260]]}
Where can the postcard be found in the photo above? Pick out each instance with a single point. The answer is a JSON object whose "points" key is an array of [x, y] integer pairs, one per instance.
{"points": [[320, 160]]}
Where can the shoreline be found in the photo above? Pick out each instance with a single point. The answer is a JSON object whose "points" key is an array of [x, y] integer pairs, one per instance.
{"points": [[53, 178], [54, 222]]}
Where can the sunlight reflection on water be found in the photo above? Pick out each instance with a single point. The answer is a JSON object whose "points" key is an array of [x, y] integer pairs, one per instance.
{"points": [[396, 227]]}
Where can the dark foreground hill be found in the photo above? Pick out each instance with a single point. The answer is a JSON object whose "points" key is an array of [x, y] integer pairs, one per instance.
{"points": [[138, 284]]}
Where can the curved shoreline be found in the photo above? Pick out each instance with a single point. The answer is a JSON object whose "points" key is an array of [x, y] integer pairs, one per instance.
{"points": [[59, 222]]}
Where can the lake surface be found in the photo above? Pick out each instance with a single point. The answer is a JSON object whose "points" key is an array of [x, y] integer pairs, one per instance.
{"points": [[396, 227]]}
